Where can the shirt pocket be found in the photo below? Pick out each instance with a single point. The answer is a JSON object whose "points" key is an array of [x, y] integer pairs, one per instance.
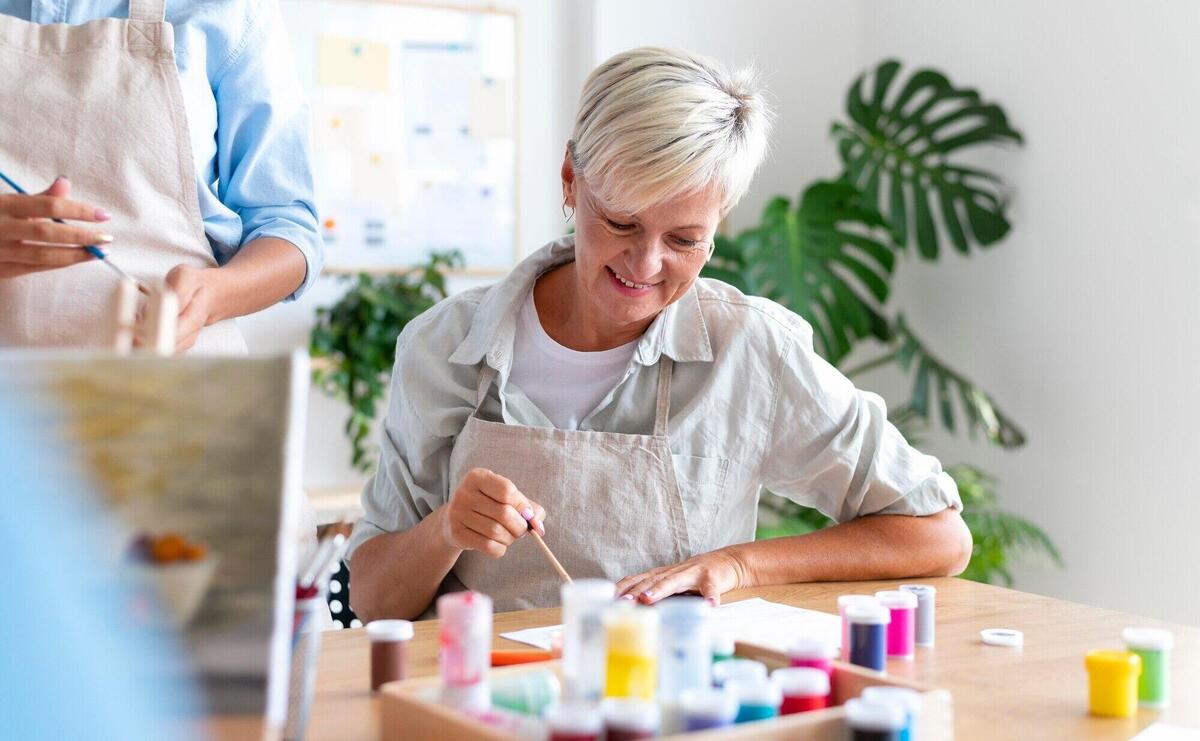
{"points": [[702, 483]]}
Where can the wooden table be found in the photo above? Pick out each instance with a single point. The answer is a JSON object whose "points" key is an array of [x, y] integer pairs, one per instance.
{"points": [[1039, 692]]}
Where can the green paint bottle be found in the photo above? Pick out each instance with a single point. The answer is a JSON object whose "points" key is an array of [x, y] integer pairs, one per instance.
{"points": [[1154, 647]]}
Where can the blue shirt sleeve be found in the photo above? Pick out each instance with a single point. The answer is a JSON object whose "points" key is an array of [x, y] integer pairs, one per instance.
{"points": [[263, 141]]}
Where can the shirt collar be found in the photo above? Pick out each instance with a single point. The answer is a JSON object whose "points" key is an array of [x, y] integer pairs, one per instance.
{"points": [[678, 331]]}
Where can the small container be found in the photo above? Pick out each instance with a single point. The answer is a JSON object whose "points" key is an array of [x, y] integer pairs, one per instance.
{"points": [[868, 635], [583, 605], [737, 669], [1113, 682], [843, 602], [804, 688], [813, 653], [528, 693], [575, 721], [389, 650], [631, 643], [908, 699], [874, 720], [1153, 646], [707, 707], [630, 719], [902, 630], [926, 605], [723, 647], [758, 698], [685, 658], [465, 646]]}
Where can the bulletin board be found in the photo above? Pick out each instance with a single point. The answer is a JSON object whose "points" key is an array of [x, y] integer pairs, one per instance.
{"points": [[414, 131]]}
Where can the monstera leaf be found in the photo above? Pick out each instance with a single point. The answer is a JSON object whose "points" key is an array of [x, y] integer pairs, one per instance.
{"points": [[899, 148], [824, 259]]}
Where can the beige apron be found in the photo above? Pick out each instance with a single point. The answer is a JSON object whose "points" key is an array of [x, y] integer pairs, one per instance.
{"points": [[101, 103], [613, 505]]}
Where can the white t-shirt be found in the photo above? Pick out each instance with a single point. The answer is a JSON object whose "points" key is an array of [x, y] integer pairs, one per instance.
{"points": [[565, 384]]}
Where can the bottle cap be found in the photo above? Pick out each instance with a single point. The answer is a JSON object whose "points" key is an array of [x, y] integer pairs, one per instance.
{"points": [[1148, 639], [801, 681], [575, 718], [1002, 637], [894, 599], [756, 691], [389, 630], [809, 649], [730, 669], [709, 702], [723, 646], [908, 699], [921, 590], [631, 714], [878, 716], [864, 614]]}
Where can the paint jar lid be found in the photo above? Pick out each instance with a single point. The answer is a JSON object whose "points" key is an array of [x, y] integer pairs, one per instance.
{"points": [[730, 669], [846, 600], [894, 599], [875, 614], [1002, 637], [801, 681], [723, 646], [883, 717], [708, 702], [906, 698], [1111, 662], [390, 630], [1148, 639], [575, 717], [810, 648], [631, 714], [588, 590], [921, 590], [756, 691]]}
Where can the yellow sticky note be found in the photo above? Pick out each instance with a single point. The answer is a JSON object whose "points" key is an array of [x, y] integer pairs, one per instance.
{"points": [[353, 63]]}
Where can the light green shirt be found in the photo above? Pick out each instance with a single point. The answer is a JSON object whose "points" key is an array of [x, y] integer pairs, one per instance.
{"points": [[752, 406]]}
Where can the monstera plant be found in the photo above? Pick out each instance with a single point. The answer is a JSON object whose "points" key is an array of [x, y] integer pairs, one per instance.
{"points": [[831, 257]]}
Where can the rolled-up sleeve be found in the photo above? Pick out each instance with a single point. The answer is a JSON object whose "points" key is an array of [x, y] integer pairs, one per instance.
{"points": [[833, 448], [263, 143]]}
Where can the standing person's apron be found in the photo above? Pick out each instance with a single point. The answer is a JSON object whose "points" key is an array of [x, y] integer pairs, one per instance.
{"points": [[101, 103], [613, 505]]}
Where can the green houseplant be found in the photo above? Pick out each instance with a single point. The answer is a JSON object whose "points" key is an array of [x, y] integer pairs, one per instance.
{"points": [[832, 255]]}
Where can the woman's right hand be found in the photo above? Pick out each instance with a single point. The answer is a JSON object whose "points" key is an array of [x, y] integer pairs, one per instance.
{"points": [[30, 242], [487, 513]]}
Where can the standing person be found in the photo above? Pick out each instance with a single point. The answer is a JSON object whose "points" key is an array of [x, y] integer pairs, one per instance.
{"points": [[182, 134]]}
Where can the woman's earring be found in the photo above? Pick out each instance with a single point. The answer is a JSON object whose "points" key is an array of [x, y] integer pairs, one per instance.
{"points": [[567, 217]]}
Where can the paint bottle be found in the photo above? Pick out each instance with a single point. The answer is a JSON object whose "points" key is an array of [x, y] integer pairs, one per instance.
{"points": [[707, 707], [804, 688], [1153, 646], [528, 693], [723, 647], [631, 646], [575, 721], [909, 700], [902, 630], [1113, 682], [926, 602], [464, 649], [843, 602], [630, 719], [758, 698], [812, 652], [389, 650], [685, 658], [583, 604], [732, 669], [868, 635], [874, 721]]}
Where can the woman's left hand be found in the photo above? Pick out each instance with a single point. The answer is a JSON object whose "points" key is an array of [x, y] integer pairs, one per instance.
{"points": [[711, 574], [197, 302]]}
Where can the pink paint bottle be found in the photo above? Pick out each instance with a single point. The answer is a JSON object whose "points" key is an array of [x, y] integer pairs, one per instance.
{"points": [[813, 653], [464, 649], [902, 630], [843, 602]]}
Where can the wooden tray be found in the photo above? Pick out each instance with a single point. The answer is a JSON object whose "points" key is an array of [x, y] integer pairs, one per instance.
{"points": [[408, 715]]}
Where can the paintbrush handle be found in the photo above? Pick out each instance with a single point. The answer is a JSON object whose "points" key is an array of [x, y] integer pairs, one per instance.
{"points": [[550, 556]]}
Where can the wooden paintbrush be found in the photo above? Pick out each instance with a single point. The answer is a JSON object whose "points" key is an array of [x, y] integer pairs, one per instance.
{"points": [[562, 573]]}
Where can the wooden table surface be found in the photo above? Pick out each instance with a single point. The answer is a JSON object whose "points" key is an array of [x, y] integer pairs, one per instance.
{"points": [[1039, 692]]}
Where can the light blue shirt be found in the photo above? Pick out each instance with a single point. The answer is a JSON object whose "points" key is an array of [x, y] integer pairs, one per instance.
{"points": [[235, 66]]}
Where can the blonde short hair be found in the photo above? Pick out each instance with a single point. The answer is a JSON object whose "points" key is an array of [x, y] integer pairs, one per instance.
{"points": [[656, 123]]}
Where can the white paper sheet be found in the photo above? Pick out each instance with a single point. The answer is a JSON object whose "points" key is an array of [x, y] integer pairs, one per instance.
{"points": [[1165, 732], [757, 621]]}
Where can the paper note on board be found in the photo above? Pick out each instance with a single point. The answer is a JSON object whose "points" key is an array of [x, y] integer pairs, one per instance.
{"points": [[353, 63], [490, 114], [375, 177], [757, 621], [338, 127]]}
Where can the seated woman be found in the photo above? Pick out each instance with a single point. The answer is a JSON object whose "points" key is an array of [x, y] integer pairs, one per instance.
{"points": [[605, 397]]}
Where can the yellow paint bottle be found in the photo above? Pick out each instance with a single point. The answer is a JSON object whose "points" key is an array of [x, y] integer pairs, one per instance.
{"points": [[1113, 682], [631, 639]]}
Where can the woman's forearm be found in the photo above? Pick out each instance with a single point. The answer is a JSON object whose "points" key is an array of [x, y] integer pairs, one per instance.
{"points": [[396, 575], [261, 274], [873, 547]]}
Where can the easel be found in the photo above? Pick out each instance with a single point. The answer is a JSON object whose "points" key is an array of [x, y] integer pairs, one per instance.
{"points": [[155, 325]]}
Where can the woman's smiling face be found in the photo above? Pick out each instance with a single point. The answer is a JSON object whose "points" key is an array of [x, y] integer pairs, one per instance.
{"points": [[629, 267]]}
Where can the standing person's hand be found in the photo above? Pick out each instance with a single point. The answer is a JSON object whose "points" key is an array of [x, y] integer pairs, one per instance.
{"points": [[487, 513], [196, 290], [30, 242]]}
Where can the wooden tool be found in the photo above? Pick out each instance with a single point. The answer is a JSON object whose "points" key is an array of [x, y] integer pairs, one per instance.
{"points": [[550, 556]]}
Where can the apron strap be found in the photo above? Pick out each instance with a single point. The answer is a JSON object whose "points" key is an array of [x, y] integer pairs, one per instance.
{"points": [[662, 406], [151, 11]]}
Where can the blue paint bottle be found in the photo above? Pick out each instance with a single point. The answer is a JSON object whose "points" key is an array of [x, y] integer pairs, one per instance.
{"points": [[908, 699], [868, 635], [758, 698]]}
